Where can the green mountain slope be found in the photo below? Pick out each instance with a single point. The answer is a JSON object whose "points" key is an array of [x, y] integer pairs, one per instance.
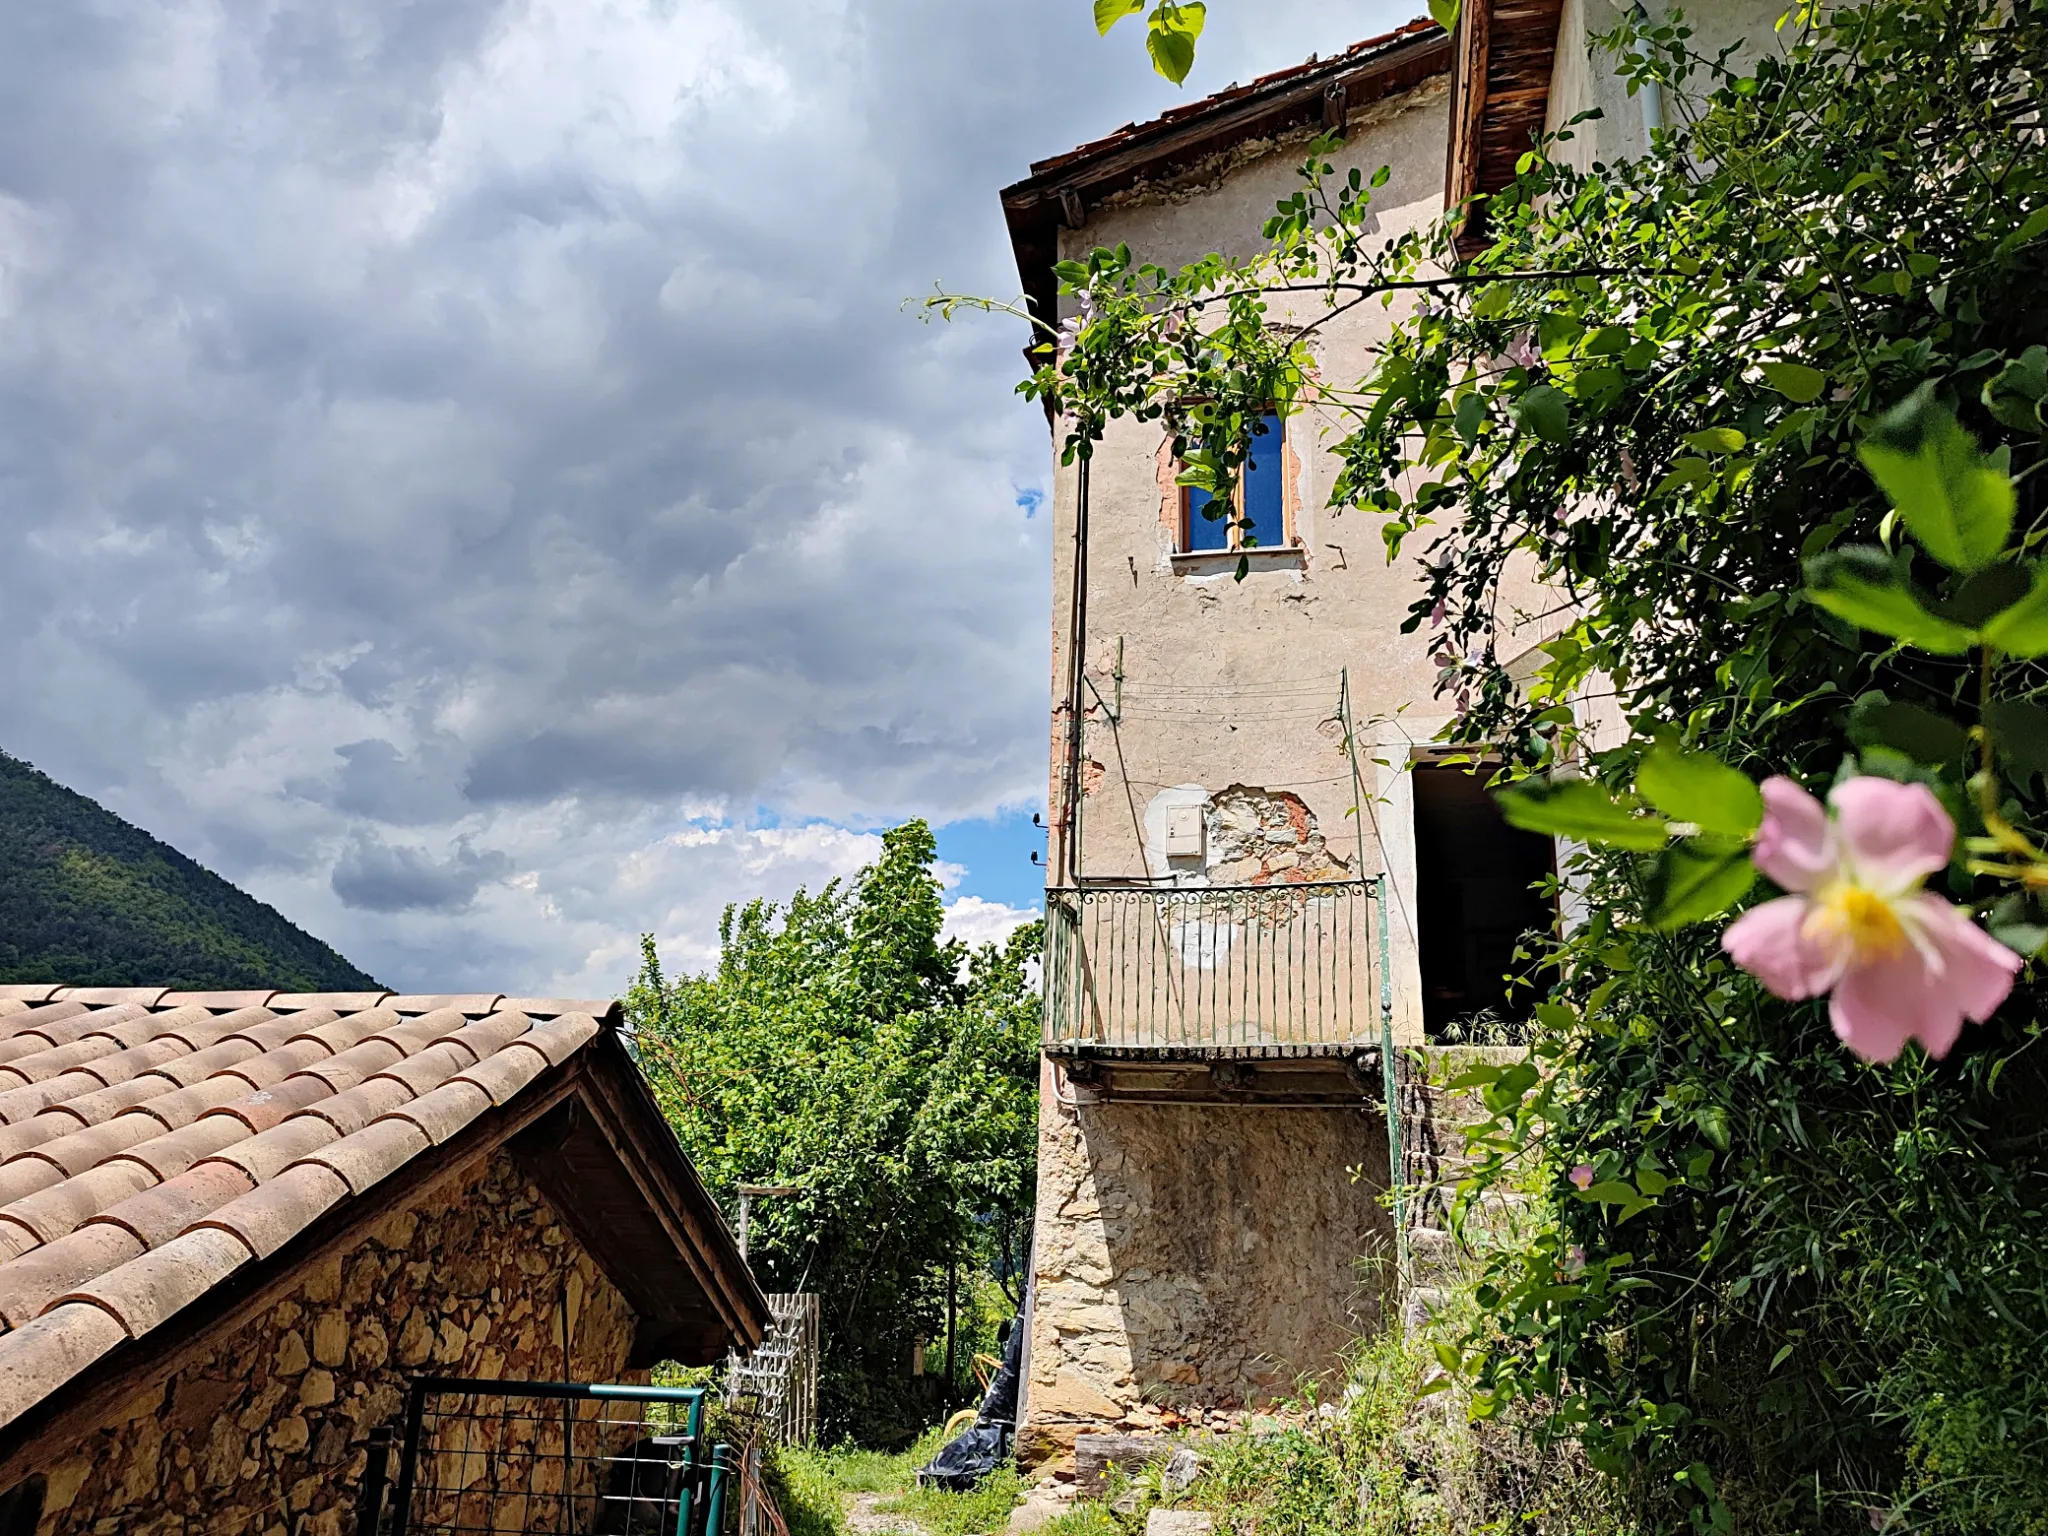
{"points": [[88, 900]]}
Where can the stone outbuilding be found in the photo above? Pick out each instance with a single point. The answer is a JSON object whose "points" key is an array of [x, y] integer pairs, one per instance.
{"points": [[233, 1225]]}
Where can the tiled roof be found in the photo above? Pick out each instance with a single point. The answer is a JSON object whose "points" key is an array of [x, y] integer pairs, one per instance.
{"points": [[1321, 93], [154, 1142], [1263, 85]]}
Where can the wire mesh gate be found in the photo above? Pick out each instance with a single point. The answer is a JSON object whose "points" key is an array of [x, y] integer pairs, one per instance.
{"points": [[498, 1458]]}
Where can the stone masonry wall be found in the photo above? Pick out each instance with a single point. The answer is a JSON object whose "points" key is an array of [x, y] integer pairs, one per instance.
{"points": [[266, 1436], [1196, 1257]]}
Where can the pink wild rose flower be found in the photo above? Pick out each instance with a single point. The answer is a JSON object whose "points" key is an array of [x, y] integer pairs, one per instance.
{"points": [[1901, 963]]}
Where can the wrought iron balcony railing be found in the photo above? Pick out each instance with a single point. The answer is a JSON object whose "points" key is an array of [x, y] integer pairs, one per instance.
{"points": [[1244, 969]]}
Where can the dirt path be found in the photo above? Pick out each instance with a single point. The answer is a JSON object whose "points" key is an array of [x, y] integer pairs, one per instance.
{"points": [[864, 1517]]}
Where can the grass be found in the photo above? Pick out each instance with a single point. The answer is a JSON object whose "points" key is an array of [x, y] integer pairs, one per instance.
{"points": [[980, 1511], [819, 1484]]}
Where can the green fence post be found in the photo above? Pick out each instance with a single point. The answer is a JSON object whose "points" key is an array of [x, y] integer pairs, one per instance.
{"points": [[1397, 1171]]}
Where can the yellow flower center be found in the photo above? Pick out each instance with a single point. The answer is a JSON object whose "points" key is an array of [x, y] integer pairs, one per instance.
{"points": [[1865, 919]]}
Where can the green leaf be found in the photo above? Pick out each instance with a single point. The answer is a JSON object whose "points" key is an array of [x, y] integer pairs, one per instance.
{"points": [[2022, 629], [1109, 12], [1922, 734], [1581, 810], [2035, 226], [1692, 881], [1616, 1192], [2019, 735], [2017, 925], [1795, 381], [1174, 27], [1444, 13], [1864, 587], [2014, 393], [1545, 411], [1957, 503], [1784, 1353], [1698, 787], [1715, 440], [1493, 302], [1985, 593]]}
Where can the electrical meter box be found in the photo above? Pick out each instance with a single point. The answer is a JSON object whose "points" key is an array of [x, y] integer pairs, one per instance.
{"points": [[1187, 829]]}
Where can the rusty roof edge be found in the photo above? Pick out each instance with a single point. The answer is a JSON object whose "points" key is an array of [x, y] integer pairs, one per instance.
{"points": [[1265, 91], [1035, 209]]}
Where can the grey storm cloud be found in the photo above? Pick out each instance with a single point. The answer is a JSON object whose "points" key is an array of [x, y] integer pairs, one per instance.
{"points": [[494, 428], [378, 877]]}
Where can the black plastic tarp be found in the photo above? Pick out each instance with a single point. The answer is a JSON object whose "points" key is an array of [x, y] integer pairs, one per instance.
{"points": [[985, 1444]]}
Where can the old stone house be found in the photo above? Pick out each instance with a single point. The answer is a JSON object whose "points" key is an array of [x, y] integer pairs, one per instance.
{"points": [[1260, 873], [232, 1226]]}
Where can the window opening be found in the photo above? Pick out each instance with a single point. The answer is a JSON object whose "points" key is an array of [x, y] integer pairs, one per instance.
{"points": [[1475, 899], [1258, 501]]}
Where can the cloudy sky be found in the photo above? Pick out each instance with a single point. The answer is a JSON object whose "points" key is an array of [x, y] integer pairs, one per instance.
{"points": [[466, 474]]}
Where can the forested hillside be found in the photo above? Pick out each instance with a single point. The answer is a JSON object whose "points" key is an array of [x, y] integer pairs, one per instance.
{"points": [[89, 900]]}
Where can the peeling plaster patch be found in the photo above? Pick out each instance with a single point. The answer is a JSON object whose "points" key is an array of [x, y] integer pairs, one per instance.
{"points": [[1262, 837]]}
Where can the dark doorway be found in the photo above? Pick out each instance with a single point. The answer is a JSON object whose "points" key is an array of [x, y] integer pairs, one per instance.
{"points": [[1475, 898]]}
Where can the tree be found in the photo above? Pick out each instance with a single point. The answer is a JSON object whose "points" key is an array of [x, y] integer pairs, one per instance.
{"points": [[841, 1046]]}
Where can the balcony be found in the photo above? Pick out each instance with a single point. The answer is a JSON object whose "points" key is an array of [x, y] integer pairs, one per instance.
{"points": [[1214, 974]]}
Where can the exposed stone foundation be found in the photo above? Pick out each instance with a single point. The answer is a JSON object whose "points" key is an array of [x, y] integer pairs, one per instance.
{"points": [[266, 1437], [1196, 1258]]}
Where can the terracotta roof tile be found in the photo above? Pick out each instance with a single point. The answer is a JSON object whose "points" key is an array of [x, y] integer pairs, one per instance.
{"points": [[444, 1111], [50, 1213], [151, 1141], [25, 1034], [506, 1072], [24, 1176], [478, 1003], [31, 1099], [273, 1106], [179, 1109], [349, 1112], [142, 1027], [431, 1068], [272, 1214], [157, 1215], [39, 1357], [172, 1153], [218, 1001], [494, 1033], [92, 1108], [340, 1002], [143, 1292], [561, 1038], [356, 1064], [551, 1007], [30, 1283], [96, 1143], [366, 1156], [34, 1131], [266, 1156], [102, 997], [55, 1059], [415, 1034]]}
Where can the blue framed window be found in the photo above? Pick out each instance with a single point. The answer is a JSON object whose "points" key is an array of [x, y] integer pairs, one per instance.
{"points": [[1258, 518]]}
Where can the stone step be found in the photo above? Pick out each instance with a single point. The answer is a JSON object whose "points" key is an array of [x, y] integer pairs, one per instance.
{"points": [[1420, 1304]]}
